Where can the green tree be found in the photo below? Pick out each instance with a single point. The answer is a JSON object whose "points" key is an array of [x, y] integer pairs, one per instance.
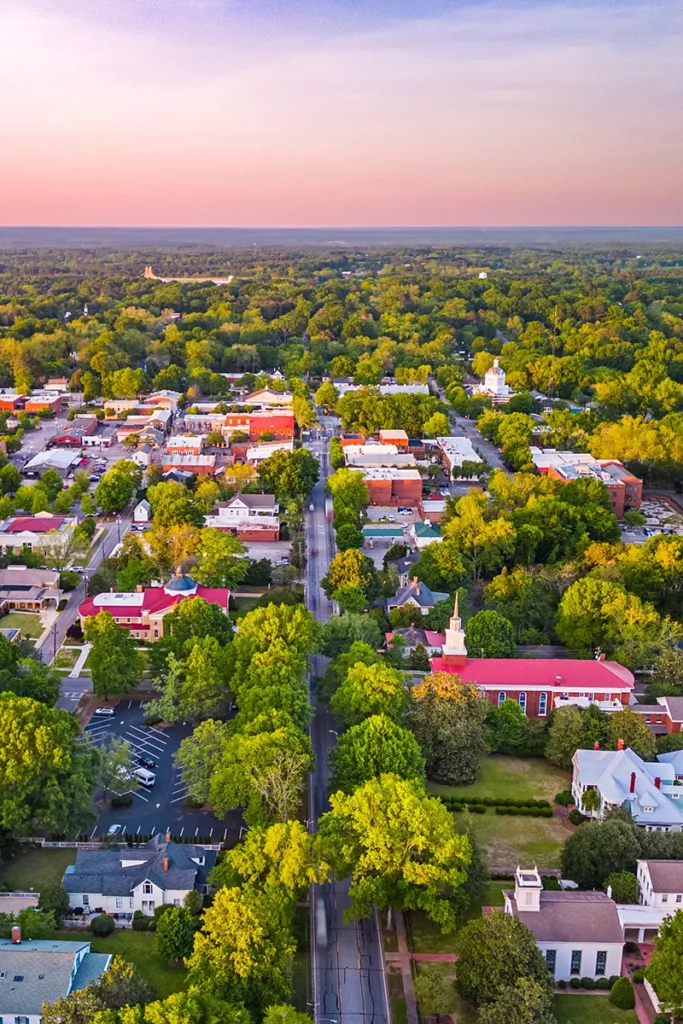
{"points": [[187, 622], [623, 886], [573, 729], [526, 1003], [117, 487], [437, 426], [173, 504], [495, 952], [351, 569], [282, 857], [175, 934], [114, 659], [199, 755], [194, 1006], [327, 396], [597, 849], [219, 564], [490, 635], [341, 631], [36, 924], [665, 972], [377, 746], [53, 899], [116, 766], [289, 475], [398, 845], [369, 690], [447, 717], [511, 732], [630, 727], [244, 950]]}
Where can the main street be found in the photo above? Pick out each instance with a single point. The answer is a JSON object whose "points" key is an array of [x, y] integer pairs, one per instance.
{"points": [[349, 983]]}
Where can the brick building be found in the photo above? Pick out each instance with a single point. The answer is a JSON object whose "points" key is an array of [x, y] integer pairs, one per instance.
{"points": [[535, 685], [625, 490], [390, 486]]}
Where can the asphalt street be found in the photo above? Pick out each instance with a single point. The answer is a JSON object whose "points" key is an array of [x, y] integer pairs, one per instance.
{"points": [[162, 808], [349, 983]]}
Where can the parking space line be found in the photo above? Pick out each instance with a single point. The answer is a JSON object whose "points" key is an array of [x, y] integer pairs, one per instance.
{"points": [[182, 830], [141, 797], [225, 835], [146, 731], [178, 798], [158, 732], [138, 831], [148, 737], [142, 746], [93, 832]]}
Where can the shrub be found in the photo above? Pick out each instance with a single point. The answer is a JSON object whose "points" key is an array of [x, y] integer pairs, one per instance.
{"points": [[639, 976], [125, 800], [151, 719], [575, 982], [524, 810], [488, 801], [140, 922], [501, 810], [613, 979], [602, 983], [576, 817], [587, 983], [564, 798], [661, 1018], [535, 812], [102, 925], [551, 884], [622, 994], [478, 809], [543, 803], [546, 812], [562, 984]]}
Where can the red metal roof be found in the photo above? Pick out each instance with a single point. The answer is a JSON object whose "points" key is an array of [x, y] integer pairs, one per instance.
{"points": [[155, 600], [35, 524], [588, 676]]}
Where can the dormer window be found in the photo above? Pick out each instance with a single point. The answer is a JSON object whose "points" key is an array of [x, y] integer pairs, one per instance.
{"points": [[147, 888]]}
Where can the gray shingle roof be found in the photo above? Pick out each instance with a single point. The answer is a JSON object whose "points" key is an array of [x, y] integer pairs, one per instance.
{"points": [[419, 592], [102, 871], [572, 917], [666, 875], [45, 971]]}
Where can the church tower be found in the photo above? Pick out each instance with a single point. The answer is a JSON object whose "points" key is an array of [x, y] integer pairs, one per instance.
{"points": [[454, 651]]}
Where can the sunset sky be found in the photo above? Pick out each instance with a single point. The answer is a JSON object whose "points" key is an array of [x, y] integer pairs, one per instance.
{"points": [[341, 112]]}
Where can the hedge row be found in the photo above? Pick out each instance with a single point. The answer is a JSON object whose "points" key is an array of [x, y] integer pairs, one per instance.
{"points": [[490, 801], [604, 984], [534, 812]]}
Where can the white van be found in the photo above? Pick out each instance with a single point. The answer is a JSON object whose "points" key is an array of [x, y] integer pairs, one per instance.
{"points": [[144, 777]]}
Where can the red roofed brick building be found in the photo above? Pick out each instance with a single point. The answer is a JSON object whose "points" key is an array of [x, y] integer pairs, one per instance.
{"points": [[534, 684], [31, 532], [143, 612]]}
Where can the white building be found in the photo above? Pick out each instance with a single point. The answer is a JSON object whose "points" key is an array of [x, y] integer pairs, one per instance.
{"points": [[456, 450], [142, 513], [494, 385], [41, 531], [579, 933], [247, 514], [647, 790], [38, 971], [660, 885], [123, 881]]}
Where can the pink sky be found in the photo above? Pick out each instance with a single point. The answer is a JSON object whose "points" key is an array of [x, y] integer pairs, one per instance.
{"points": [[479, 114]]}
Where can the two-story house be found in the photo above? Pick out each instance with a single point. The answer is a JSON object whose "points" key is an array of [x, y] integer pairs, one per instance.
{"points": [[660, 894], [251, 517], [143, 878], [648, 790], [579, 933]]}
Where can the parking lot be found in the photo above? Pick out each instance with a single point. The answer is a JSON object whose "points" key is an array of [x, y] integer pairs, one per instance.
{"points": [[162, 808]]}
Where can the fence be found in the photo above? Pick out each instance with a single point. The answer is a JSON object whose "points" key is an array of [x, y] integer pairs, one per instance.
{"points": [[97, 845]]}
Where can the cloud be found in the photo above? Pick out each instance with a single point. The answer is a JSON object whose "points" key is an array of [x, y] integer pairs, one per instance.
{"points": [[490, 113]]}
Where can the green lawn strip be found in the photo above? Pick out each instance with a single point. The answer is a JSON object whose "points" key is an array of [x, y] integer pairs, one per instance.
{"points": [[396, 997], [494, 893], [32, 869], [584, 1009], [27, 622], [66, 657], [509, 840], [502, 776], [425, 937], [140, 949], [242, 606]]}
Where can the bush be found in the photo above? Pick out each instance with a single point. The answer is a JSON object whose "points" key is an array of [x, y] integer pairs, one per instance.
{"points": [[546, 812], [561, 984], [140, 922], [661, 1018], [102, 925], [488, 801], [603, 984], [551, 884], [613, 979], [575, 982], [639, 976], [576, 817], [622, 994], [535, 812], [564, 798], [587, 983], [501, 810], [478, 809], [125, 800]]}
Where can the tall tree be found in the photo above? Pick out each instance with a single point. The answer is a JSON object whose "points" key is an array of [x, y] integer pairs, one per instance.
{"points": [[219, 564], [369, 690], [114, 658], [447, 717], [376, 746], [665, 972]]}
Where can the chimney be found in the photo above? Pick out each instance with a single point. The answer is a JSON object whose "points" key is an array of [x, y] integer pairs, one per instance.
{"points": [[596, 745], [602, 656], [620, 744], [609, 892], [139, 588], [658, 782], [111, 590], [165, 863], [16, 934], [168, 837], [632, 787]]}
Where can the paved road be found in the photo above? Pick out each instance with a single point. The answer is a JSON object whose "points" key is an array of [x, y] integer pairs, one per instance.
{"points": [[349, 983], [466, 428]]}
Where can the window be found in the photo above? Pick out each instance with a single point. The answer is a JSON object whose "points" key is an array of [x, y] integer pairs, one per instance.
{"points": [[550, 958], [131, 903], [147, 888], [501, 698], [601, 961], [119, 903], [665, 898], [679, 898], [576, 961], [542, 704], [86, 900], [176, 903], [522, 701]]}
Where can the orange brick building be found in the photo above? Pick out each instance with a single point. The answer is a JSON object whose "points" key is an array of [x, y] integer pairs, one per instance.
{"points": [[625, 490], [390, 486]]}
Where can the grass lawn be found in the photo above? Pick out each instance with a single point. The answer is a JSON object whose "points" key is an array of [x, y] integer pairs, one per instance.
{"points": [[396, 997], [502, 776], [425, 937], [66, 657], [584, 1009], [460, 1011], [27, 622], [140, 949], [519, 840], [32, 869], [242, 606]]}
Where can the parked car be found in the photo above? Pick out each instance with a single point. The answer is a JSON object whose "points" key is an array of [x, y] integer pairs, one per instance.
{"points": [[145, 762], [392, 519], [114, 830], [104, 712], [281, 561], [145, 777]]}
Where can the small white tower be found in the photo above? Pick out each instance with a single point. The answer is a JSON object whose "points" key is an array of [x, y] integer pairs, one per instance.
{"points": [[454, 650], [528, 889]]}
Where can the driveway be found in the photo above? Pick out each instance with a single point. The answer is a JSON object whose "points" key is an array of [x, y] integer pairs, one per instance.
{"points": [[162, 808]]}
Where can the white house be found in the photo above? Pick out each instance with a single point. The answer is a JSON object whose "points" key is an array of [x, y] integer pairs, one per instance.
{"points": [[250, 516], [42, 971], [42, 531], [494, 384], [142, 513], [660, 894], [579, 933], [648, 790], [123, 881], [143, 456]]}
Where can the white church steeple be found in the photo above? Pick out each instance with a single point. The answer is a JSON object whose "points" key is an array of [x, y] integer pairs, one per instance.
{"points": [[454, 650]]}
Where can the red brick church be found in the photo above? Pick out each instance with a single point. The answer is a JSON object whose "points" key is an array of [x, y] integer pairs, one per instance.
{"points": [[537, 685]]}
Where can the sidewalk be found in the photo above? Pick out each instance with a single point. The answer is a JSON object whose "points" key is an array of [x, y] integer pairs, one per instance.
{"points": [[403, 958], [80, 661]]}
